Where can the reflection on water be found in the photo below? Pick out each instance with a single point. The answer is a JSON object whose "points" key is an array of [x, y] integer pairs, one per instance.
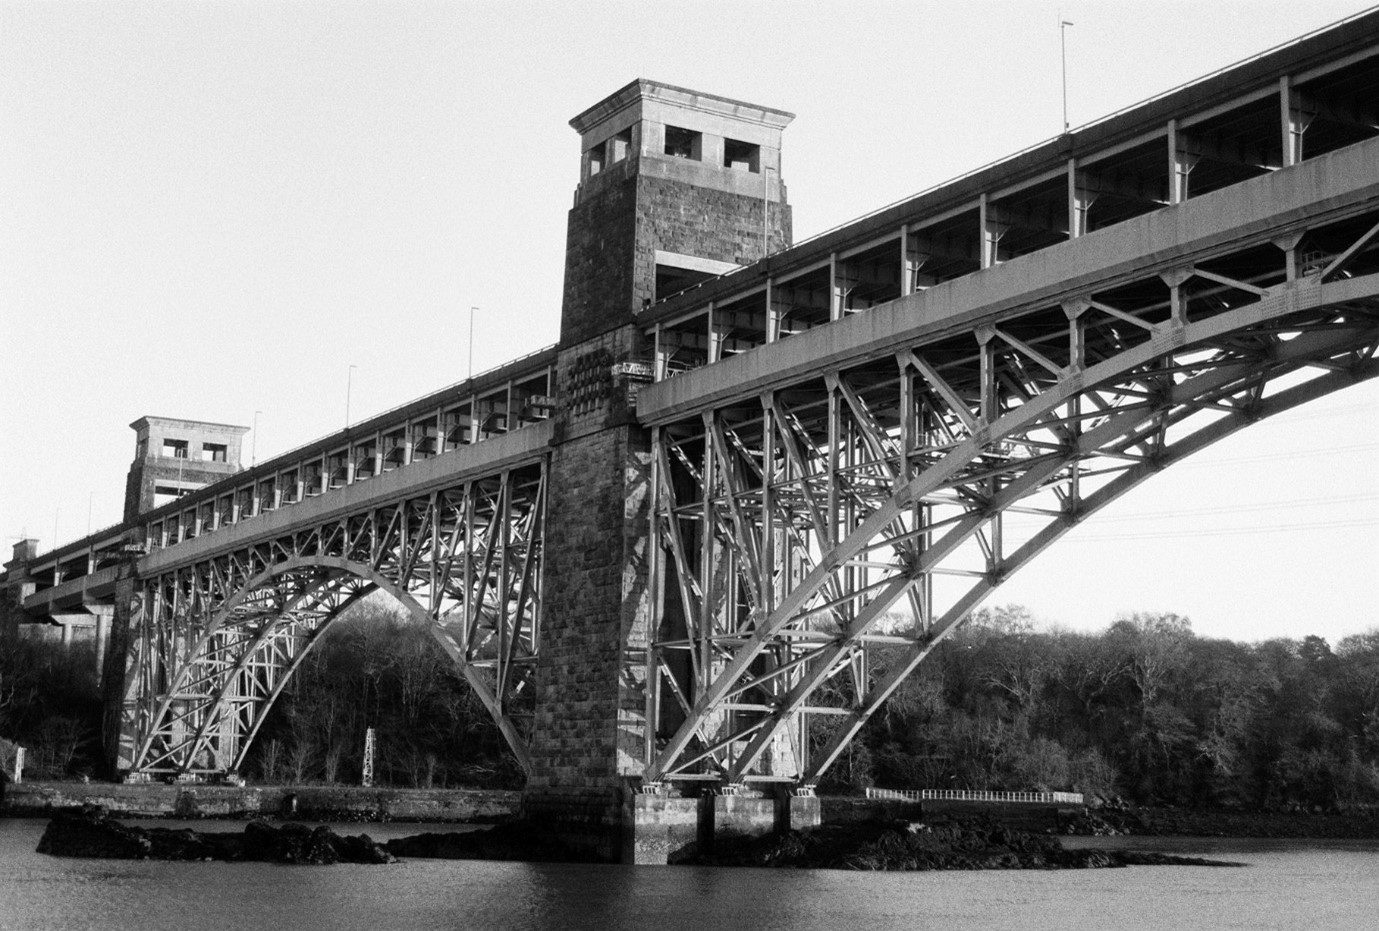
{"points": [[1289, 884]]}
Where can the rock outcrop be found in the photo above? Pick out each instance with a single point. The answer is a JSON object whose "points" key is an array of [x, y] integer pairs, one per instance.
{"points": [[91, 832], [975, 844]]}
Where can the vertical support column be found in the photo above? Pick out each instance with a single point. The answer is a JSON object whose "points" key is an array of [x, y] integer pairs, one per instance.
{"points": [[1289, 245], [989, 406], [1295, 119], [991, 233], [990, 410], [913, 258], [1181, 161], [658, 355], [1077, 360], [1176, 300], [1080, 200], [907, 277], [773, 312], [656, 556], [834, 441], [768, 504], [837, 297], [714, 334], [707, 538], [906, 435]]}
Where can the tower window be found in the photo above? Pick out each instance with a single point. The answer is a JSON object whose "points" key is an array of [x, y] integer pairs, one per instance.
{"points": [[741, 156], [684, 143], [175, 449], [214, 452], [596, 159], [619, 146]]}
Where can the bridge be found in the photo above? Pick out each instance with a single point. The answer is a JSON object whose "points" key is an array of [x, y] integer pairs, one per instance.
{"points": [[696, 544]]}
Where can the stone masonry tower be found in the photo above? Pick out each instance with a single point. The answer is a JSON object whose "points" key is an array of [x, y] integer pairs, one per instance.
{"points": [[175, 457], [673, 189]]}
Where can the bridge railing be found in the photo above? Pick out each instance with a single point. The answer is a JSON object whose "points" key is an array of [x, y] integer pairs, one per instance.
{"points": [[975, 795], [497, 401], [1135, 161]]}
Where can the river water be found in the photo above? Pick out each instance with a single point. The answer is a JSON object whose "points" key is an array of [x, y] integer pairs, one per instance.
{"points": [[1287, 884]]}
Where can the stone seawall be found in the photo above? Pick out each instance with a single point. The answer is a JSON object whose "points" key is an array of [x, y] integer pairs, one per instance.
{"points": [[306, 802]]}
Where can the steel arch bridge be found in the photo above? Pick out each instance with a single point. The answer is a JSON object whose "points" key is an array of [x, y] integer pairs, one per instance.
{"points": [[848, 442], [792, 523], [215, 641]]}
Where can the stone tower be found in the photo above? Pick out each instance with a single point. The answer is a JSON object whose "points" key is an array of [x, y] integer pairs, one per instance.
{"points": [[174, 457], [673, 189]]}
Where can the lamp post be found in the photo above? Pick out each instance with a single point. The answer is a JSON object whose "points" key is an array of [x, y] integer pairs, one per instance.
{"points": [[1063, 25]]}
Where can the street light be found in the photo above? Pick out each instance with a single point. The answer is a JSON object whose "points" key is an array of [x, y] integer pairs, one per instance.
{"points": [[1063, 25]]}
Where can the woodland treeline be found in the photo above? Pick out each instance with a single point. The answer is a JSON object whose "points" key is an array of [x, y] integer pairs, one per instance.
{"points": [[1144, 710]]}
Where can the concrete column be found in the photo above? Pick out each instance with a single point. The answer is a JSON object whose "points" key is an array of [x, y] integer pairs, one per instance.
{"points": [[1177, 303], [105, 615], [1181, 161], [1080, 200], [715, 336], [659, 355], [836, 296], [777, 306], [1289, 245], [991, 232], [1295, 117]]}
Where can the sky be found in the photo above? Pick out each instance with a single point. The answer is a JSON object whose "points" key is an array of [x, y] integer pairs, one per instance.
{"points": [[211, 210]]}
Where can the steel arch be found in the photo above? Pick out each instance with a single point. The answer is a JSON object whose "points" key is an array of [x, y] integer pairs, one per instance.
{"points": [[781, 591], [217, 640]]}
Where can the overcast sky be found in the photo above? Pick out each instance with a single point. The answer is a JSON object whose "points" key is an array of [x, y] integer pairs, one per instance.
{"points": [[212, 209]]}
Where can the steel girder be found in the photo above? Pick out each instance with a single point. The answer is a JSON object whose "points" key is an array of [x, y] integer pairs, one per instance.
{"points": [[214, 643], [817, 542]]}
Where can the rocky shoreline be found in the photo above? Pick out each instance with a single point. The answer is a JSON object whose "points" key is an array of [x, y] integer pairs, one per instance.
{"points": [[1203, 822], [948, 844], [945, 844], [93, 833]]}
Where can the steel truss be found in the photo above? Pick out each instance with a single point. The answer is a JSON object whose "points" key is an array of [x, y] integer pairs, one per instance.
{"points": [[215, 642], [817, 542]]}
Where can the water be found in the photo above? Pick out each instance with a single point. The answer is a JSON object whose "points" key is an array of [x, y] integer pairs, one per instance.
{"points": [[1288, 884]]}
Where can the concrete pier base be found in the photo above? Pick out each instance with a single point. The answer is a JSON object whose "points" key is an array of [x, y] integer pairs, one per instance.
{"points": [[660, 829]]}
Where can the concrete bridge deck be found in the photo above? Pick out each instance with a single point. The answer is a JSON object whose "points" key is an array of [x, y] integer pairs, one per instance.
{"points": [[1334, 186]]}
